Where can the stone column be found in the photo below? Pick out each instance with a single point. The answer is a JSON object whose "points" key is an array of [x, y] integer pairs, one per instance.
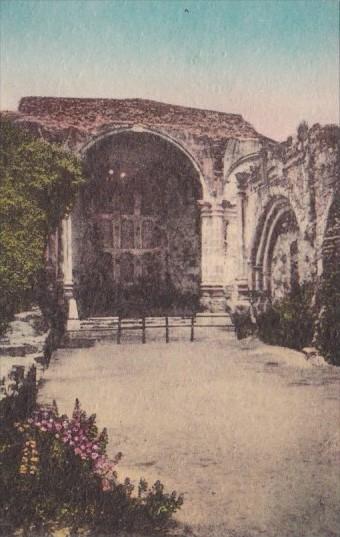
{"points": [[213, 249], [231, 247], [257, 275], [242, 279], [73, 322]]}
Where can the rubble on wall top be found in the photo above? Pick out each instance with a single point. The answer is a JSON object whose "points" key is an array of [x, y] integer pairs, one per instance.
{"points": [[88, 114]]}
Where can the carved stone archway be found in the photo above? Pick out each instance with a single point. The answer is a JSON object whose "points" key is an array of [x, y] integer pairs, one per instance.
{"points": [[128, 257], [275, 249]]}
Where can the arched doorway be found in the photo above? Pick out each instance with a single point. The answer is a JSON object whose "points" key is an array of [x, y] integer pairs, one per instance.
{"points": [[275, 251], [136, 228]]}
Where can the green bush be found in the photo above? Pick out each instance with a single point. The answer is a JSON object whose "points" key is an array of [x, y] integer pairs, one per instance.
{"points": [[327, 333], [328, 323], [98, 294], [289, 322], [18, 393], [38, 183], [243, 323], [55, 473]]}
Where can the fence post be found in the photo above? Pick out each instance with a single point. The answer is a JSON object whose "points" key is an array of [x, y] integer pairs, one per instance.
{"points": [[192, 328], [143, 330], [167, 329], [119, 330]]}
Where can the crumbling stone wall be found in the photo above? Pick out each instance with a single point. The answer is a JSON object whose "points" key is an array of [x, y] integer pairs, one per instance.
{"points": [[76, 122], [266, 204], [300, 177], [309, 164], [284, 267]]}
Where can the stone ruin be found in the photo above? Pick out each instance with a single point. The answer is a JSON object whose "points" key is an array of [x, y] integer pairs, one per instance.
{"points": [[185, 207]]}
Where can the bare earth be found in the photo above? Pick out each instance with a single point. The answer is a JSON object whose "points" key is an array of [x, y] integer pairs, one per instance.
{"points": [[248, 432]]}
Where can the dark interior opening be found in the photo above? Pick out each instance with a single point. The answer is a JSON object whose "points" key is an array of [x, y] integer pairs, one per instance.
{"points": [[136, 229]]}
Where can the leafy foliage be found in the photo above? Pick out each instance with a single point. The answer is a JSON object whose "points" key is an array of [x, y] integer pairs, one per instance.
{"points": [[97, 294], [327, 333], [54, 472], [18, 393], [328, 324], [242, 320], [289, 322], [38, 183]]}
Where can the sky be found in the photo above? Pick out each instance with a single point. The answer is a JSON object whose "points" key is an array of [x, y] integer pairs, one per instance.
{"points": [[276, 62]]}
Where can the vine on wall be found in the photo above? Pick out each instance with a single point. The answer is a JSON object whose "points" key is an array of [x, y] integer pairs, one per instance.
{"points": [[38, 183]]}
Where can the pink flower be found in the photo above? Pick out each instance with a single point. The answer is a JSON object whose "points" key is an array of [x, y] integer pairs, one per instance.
{"points": [[78, 451], [106, 485], [94, 456], [57, 435], [58, 426]]}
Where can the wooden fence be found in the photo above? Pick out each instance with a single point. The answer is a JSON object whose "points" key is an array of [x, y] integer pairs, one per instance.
{"points": [[168, 323]]}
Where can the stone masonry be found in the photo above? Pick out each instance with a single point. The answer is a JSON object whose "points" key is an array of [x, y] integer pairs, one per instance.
{"points": [[258, 213]]}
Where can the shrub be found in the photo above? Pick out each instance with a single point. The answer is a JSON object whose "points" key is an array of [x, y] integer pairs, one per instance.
{"points": [[328, 324], [327, 333], [290, 321], [54, 472], [242, 320], [17, 395], [38, 183], [98, 294]]}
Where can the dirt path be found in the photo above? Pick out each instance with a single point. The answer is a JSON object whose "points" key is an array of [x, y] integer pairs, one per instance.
{"points": [[248, 432]]}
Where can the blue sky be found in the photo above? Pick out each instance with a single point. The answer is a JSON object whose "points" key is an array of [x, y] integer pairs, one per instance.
{"points": [[274, 61]]}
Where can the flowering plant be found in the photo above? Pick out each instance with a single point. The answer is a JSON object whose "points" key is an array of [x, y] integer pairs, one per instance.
{"points": [[55, 472], [79, 433]]}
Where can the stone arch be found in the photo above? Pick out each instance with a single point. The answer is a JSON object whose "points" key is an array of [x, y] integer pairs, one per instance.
{"points": [[139, 129], [244, 164], [277, 219], [142, 195]]}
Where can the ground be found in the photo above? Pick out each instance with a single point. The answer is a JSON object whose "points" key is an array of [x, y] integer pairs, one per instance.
{"points": [[248, 432]]}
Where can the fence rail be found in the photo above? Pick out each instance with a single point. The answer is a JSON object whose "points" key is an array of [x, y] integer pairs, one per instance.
{"points": [[119, 325]]}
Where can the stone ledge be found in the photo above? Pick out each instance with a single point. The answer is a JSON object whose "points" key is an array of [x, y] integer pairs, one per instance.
{"points": [[18, 349]]}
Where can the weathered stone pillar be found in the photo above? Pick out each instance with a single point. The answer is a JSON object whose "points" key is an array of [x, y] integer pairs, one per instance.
{"points": [[213, 249], [73, 322], [242, 279], [230, 244], [257, 277]]}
